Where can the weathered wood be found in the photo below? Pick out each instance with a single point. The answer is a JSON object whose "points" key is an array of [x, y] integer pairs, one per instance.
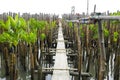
{"points": [[47, 72], [106, 17], [76, 21], [51, 54], [71, 54], [88, 20], [61, 40], [44, 72], [102, 51], [71, 69], [83, 74]]}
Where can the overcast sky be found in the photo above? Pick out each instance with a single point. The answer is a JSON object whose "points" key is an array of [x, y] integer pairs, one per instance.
{"points": [[57, 6]]}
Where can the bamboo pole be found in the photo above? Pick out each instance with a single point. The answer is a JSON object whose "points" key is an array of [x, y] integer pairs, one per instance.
{"points": [[87, 48], [79, 52], [102, 54], [108, 49]]}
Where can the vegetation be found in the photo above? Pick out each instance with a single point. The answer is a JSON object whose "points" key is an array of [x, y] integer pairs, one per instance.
{"points": [[19, 38], [28, 43], [93, 60]]}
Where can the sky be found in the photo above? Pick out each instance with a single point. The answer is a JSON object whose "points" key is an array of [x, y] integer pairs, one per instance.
{"points": [[58, 6]]}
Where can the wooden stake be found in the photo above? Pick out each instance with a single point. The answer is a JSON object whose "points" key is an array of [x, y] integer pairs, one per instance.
{"points": [[102, 54]]}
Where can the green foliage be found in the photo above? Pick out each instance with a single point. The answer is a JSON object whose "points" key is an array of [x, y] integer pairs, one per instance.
{"points": [[36, 24], [27, 37], [22, 23], [5, 25], [14, 40], [94, 30], [115, 13], [31, 37], [53, 23], [92, 27], [19, 30], [23, 35], [106, 32], [9, 38], [70, 24], [5, 37], [2, 23], [82, 34], [33, 23], [115, 36], [42, 36], [13, 27], [41, 25], [14, 22]]}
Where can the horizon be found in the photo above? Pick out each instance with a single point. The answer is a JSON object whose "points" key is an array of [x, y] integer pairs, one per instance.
{"points": [[57, 6]]}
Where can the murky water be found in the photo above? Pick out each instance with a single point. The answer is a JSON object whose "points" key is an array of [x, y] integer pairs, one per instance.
{"points": [[26, 75], [48, 77]]}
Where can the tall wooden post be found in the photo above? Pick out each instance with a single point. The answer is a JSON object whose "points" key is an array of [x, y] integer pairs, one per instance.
{"points": [[102, 54], [79, 53]]}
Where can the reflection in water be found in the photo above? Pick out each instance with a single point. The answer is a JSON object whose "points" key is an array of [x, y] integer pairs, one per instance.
{"points": [[26, 75], [110, 73], [48, 77]]}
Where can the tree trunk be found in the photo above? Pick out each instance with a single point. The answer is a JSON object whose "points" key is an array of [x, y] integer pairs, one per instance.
{"points": [[6, 60], [32, 63]]}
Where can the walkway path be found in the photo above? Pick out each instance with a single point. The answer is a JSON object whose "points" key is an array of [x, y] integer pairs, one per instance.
{"points": [[61, 69]]}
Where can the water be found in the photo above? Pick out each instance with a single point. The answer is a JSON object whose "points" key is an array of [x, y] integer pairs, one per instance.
{"points": [[2, 78], [26, 75], [48, 77], [110, 73]]}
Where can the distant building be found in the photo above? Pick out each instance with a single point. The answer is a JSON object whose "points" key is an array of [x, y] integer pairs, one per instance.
{"points": [[73, 10]]}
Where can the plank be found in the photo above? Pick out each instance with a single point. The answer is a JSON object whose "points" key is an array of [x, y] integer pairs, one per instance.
{"points": [[61, 69]]}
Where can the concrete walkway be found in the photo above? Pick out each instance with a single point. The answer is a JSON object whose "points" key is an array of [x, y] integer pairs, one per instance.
{"points": [[61, 69]]}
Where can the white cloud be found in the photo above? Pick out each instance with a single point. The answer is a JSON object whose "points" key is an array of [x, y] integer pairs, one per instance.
{"points": [[57, 6]]}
